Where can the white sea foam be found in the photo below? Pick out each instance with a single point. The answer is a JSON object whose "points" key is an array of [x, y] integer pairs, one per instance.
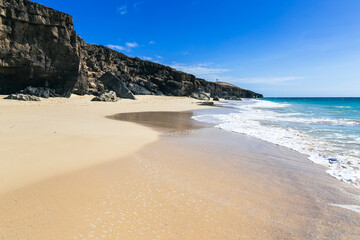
{"points": [[354, 208], [256, 119], [342, 107]]}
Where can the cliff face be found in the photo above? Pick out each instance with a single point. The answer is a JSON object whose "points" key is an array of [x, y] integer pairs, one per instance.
{"points": [[39, 47], [141, 77]]}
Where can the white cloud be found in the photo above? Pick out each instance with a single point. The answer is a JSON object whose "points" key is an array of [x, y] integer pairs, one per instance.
{"points": [[152, 42], [201, 70], [159, 57], [116, 47], [127, 48], [132, 44], [147, 58], [122, 10], [269, 80]]}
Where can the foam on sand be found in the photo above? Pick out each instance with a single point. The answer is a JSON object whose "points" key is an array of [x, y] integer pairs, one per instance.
{"points": [[280, 124]]}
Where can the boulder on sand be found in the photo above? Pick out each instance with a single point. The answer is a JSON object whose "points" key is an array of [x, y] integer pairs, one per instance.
{"points": [[22, 97], [114, 83], [106, 97], [207, 103]]}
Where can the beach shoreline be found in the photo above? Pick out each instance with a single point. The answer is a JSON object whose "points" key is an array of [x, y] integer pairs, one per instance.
{"points": [[185, 180]]}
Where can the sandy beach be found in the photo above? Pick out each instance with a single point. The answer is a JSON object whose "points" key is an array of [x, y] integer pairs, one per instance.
{"points": [[75, 169], [55, 136]]}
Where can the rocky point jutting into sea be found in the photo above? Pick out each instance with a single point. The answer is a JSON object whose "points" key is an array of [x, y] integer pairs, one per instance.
{"points": [[39, 48]]}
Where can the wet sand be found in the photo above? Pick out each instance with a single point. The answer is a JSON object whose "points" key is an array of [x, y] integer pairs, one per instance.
{"points": [[194, 182]]}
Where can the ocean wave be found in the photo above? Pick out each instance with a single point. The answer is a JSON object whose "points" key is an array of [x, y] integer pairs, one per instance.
{"points": [[261, 110], [253, 103], [332, 151]]}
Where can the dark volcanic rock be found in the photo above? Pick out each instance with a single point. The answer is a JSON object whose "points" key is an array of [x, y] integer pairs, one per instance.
{"points": [[233, 98], [138, 90], [201, 94], [22, 97], [40, 92], [207, 103], [141, 77], [115, 84], [226, 90], [39, 48], [106, 97]]}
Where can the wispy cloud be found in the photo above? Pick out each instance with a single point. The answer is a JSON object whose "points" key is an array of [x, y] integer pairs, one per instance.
{"points": [[116, 47], [159, 57], [122, 9], [147, 58], [131, 45], [202, 70], [127, 48], [268, 80], [152, 42]]}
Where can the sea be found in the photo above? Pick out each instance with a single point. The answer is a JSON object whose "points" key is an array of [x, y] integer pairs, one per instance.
{"points": [[327, 130]]}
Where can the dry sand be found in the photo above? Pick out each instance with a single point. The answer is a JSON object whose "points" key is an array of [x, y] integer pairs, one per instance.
{"points": [[44, 139], [175, 180]]}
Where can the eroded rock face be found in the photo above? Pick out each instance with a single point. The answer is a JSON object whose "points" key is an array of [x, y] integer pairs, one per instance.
{"points": [[117, 85], [40, 92], [38, 48], [141, 77], [149, 78], [201, 94], [22, 97]]}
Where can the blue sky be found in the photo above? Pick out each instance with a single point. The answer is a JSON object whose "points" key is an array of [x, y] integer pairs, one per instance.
{"points": [[275, 47]]}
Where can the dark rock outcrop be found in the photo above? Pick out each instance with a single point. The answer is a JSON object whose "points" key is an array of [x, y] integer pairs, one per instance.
{"points": [[40, 92], [207, 103], [201, 94], [106, 97], [141, 77], [117, 85], [39, 48], [22, 97]]}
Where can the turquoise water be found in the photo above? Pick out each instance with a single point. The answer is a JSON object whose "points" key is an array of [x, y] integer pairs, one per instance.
{"points": [[337, 108], [326, 129]]}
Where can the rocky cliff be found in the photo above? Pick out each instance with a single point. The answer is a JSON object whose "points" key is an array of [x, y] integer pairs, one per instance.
{"points": [[39, 48]]}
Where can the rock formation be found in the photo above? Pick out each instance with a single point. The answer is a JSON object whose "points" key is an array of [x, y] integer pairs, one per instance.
{"points": [[22, 97], [109, 96], [40, 92], [114, 83], [39, 48]]}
